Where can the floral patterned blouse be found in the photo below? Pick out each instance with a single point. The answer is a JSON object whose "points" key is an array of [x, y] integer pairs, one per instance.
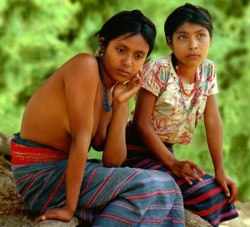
{"points": [[176, 115]]}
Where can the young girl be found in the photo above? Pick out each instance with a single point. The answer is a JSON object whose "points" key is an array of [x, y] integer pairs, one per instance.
{"points": [[83, 104], [177, 91]]}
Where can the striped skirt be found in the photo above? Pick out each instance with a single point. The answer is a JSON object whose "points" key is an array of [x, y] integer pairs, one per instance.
{"points": [[205, 198], [108, 197]]}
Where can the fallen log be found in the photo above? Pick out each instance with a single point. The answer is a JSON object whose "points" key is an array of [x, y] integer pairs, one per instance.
{"points": [[4, 144]]}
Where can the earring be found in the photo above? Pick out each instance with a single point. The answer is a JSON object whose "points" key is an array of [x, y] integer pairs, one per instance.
{"points": [[99, 52]]}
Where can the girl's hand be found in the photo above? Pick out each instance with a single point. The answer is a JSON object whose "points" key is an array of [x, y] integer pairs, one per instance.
{"points": [[187, 170], [61, 214], [123, 92], [228, 186]]}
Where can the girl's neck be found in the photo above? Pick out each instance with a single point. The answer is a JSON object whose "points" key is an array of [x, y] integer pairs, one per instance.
{"points": [[106, 78], [187, 74]]}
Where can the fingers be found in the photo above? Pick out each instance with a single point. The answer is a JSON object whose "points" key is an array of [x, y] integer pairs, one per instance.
{"points": [[188, 180], [192, 176], [232, 196], [39, 219], [195, 176], [200, 170], [234, 192], [191, 171], [45, 217], [138, 77], [226, 191], [141, 74], [229, 188]]}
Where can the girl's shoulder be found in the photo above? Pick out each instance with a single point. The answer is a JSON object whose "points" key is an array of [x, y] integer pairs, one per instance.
{"points": [[82, 68], [83, 59], [82, 63], [208, 69], [208, 63]]}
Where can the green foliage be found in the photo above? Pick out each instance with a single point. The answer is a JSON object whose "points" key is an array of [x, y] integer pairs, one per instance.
{"points": [[37, 36]]}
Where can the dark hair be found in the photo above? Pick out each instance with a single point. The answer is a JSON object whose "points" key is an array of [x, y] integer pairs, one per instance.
{"points": [[188, 13], [131, 23]]}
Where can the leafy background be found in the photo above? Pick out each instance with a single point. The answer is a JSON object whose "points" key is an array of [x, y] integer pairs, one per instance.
{"points": [[37, 36]]}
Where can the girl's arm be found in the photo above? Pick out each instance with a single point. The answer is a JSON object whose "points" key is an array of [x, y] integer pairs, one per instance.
{"points": [[214, 134], [115, 150], [80, 84], [144, 108], [213, 125], [142, 115]]}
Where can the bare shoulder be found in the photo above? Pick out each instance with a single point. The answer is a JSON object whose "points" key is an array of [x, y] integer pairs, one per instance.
{"points": [[85, 60], [82, 66], [84, 56]]}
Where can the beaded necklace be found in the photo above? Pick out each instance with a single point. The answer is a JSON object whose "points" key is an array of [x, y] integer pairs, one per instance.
{"points": [[106, 105], [181, 84], [183, 91]]}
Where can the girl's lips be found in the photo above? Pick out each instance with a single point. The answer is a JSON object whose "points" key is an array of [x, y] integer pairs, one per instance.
{"points": [[193, 55], [124, 72]]}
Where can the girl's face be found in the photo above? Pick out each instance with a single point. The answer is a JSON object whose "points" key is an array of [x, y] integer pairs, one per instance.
{"points": [[190, 44], [124, 57]]}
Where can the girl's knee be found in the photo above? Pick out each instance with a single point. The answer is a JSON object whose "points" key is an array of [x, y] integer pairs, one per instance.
{"points": [[159, 180]]}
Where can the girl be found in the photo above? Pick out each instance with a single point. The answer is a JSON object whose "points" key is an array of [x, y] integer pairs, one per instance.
{"points": [[83, 104], [177, 91]]}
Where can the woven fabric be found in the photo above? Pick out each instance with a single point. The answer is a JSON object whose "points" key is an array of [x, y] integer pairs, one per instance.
{"points": [[108, 197], [205, 198]]}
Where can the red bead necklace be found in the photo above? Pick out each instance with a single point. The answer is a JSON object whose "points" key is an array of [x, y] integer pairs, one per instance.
{"points": [[181, 84]]}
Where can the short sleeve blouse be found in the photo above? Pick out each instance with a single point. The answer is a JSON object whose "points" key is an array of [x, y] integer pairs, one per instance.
{"points": [[175, 115]]}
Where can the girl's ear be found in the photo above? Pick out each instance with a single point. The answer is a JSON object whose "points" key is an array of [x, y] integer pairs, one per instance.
{"points": [[101, 48]]}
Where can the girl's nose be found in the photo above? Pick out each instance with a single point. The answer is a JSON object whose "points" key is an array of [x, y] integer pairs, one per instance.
{"points": [[127, 60], [193, 44]]}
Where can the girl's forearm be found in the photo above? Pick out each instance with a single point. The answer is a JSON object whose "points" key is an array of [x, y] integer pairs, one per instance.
{"points": [[154, 144], [115, 147], [74, 175], [214, 134]]}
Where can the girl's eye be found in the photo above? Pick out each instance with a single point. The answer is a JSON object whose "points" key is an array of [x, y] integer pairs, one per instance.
{"points": [[182, 37], [139, 56], [120, 50], [201, 35]]}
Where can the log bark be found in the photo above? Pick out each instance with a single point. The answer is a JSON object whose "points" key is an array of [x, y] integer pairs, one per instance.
{"points": [[4, 143]]}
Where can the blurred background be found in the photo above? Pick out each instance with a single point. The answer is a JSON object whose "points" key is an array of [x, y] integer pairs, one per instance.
{"points": [[37, 36]]}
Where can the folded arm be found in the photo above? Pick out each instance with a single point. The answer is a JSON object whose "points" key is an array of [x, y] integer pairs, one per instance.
{"points": [[144, 108]]}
